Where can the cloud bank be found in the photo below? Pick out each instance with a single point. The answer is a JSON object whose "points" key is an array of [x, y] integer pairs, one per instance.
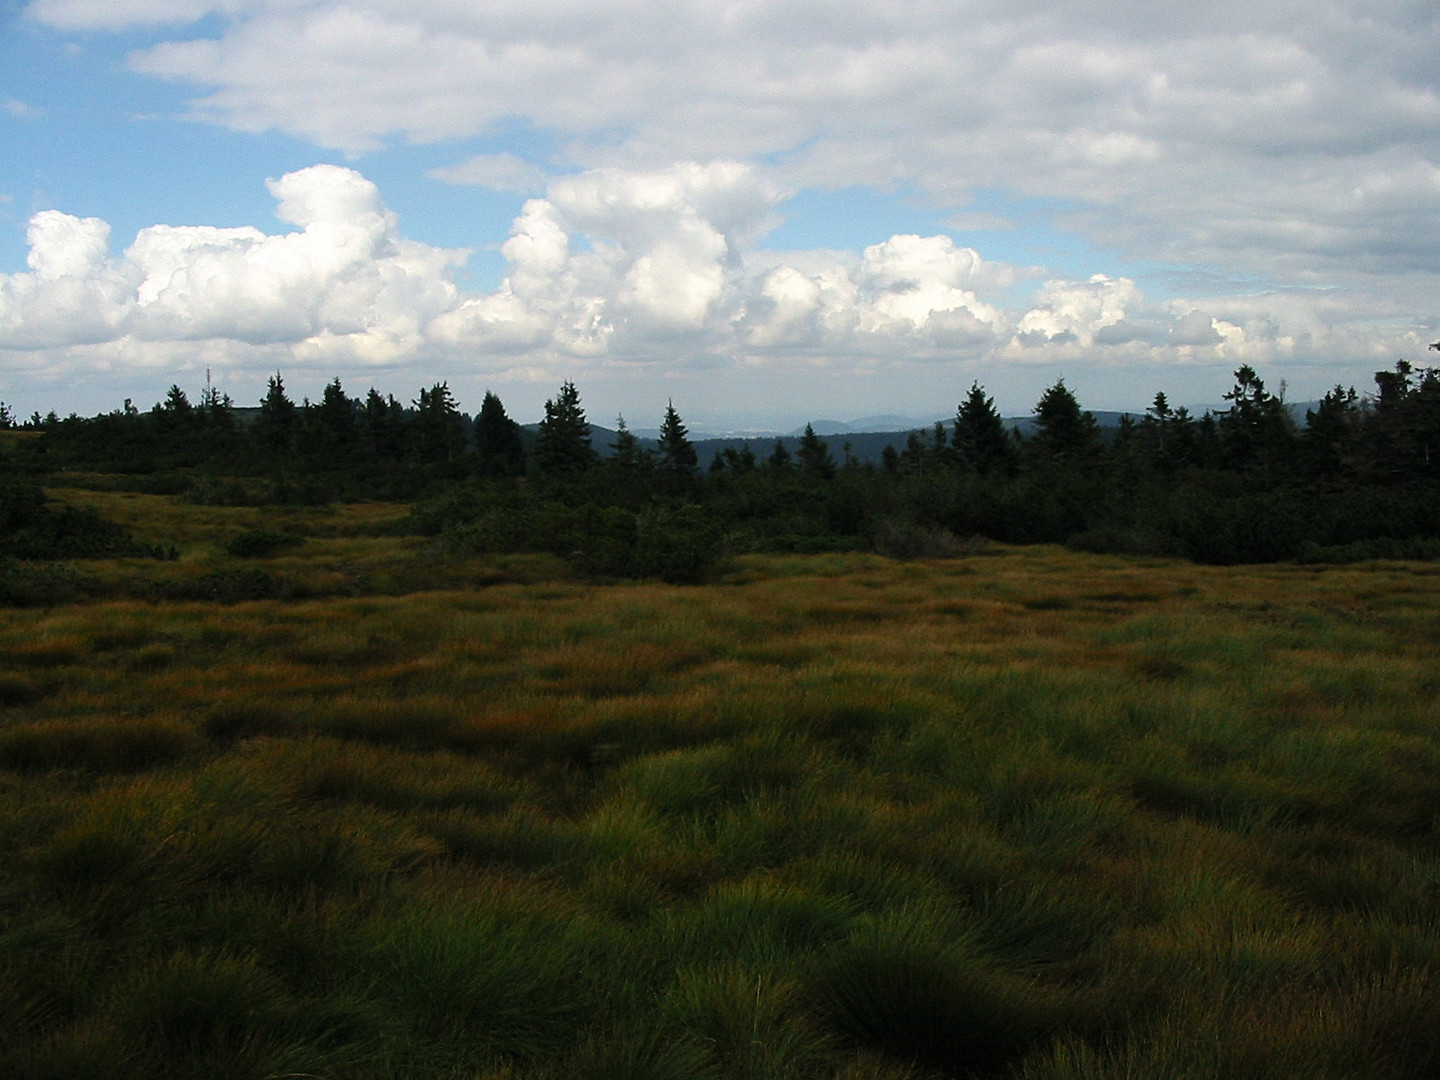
{"points": [[1292, 141], [660, 271]]}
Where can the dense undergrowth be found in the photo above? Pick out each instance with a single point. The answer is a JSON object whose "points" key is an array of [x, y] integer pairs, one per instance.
{"points": [[1022, 813]]}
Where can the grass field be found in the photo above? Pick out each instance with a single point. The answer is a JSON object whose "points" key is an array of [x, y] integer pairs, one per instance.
{"points": [[1026, 813]]}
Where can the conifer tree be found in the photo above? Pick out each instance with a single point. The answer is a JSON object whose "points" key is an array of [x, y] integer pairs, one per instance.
{"points": [[497, 439], [177, 402], [276, 424], [438, 429], [1256, 432], [814, 456], [335, 418], [564, 443], [1330, 431], [382, 423], [981, 440], [1403, 430], [1064, 432], [625, 451], [677, 453]]}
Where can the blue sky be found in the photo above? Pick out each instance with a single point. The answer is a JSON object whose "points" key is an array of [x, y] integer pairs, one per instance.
{"points": [[765, 212]]}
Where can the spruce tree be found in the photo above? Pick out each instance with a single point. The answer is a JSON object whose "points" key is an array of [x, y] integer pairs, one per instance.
{"points": [[335, 419], [564, 443], [497, 439], [814, 454], [625, 451], [677, 453], [438, 429], [1063, 432], [276, 424], [1256, 432], [981, 440], [382, 422]]}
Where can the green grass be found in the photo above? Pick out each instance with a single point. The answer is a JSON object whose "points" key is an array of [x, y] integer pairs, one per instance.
{"points": [[1034, 814]]}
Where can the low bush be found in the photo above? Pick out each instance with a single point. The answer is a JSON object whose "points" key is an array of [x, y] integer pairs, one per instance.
{"points": [[897, 539], [1415, 547], [258, 543], [231, 585], [23, 585], [29, 529]]}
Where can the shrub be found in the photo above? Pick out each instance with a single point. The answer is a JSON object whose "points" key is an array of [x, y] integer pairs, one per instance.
{"points": [[675, 544], [258, 543], [901, 539], [230, 586], [39, 586], [31, 530], [1121, 541], [1415, 547]]}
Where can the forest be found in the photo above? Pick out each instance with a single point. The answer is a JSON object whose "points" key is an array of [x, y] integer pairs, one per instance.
{"points": [[1358, 478]]}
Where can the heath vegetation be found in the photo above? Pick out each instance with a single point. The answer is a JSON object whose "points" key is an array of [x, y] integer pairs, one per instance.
{"points": [[298, 787]]}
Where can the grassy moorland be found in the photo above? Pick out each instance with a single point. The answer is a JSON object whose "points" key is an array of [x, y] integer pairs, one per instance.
{"points": [[1024, 813]]}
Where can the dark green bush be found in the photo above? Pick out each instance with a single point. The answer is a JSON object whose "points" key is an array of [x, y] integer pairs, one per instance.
{"points": [[258, 543], [903, 539], [1415, 547], [231, 586], [37, 586]]}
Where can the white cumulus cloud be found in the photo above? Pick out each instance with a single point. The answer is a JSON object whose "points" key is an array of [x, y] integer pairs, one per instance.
{"points": [[612, 270], [1290, 142]]}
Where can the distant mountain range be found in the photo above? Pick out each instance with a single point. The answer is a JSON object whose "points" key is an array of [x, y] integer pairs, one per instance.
{"points": [[867, 437]]}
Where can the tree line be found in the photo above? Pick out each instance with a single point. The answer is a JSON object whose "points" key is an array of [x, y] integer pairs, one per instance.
{"points": [[1357, 478]]}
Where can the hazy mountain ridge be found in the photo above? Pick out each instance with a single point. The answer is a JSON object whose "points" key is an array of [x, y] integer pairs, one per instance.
{"points": [[866, 438]]}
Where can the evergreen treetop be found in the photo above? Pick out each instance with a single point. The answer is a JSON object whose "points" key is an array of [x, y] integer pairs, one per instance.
{"points": [[981, 439], [677, 452], [564, 443], [497, 439]]}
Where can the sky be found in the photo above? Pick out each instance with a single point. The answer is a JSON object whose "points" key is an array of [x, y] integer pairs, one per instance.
{"points": [[766, 212]]}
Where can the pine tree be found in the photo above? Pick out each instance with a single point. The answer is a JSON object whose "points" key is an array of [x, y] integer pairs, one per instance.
{"points": [[497, 438], [334, 419], [814, 455], [1403, 430], [981, 439], [382, 423], [564, 443], [1330, 432], [217, 410], [1063, 432], [177, 402], [677, 453], [1256, 432], [276, 424], [625, 451], [438, 429]]}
